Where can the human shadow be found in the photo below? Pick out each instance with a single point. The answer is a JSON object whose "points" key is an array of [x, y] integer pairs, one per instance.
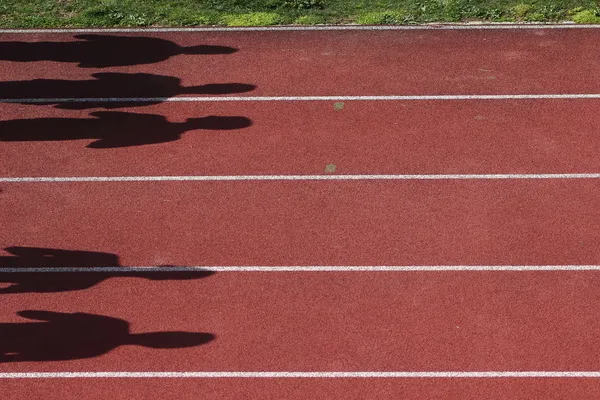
{"points": [[112, 129], [70, 270], [154, 88], [59, 336], [101, 51]]}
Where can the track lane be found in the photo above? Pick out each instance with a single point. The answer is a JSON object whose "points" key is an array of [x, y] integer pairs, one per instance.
{"points": [[422, 321], [312, 223], [470, 137], [356, 62]]}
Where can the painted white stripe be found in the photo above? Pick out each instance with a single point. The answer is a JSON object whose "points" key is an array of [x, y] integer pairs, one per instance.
{"points": [[329, 375], [440, 26], [218, 178], [315, 268], [305, 98]]}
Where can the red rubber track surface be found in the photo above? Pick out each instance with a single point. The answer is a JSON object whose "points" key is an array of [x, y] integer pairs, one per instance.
{"points": [[344, 321]]}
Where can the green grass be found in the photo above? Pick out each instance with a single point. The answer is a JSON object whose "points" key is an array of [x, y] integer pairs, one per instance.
{"points": [[252, 19], [135, 13], [587, 17]]}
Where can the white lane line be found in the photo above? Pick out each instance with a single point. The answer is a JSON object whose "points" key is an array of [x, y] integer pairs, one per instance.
{"points": [[218, 178], [303, 98], [317, 268], [567, 25], [285, 374]]}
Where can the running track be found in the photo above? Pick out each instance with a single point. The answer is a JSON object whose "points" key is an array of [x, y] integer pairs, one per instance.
{"points": [[335, 247]]}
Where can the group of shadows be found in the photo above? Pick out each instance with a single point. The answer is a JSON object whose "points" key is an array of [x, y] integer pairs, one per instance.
{"points": [[57, 336], [54, 336], [109, 129]]}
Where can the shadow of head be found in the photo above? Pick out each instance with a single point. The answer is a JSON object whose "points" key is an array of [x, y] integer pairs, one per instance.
{"points": [[178, 275], [219, 88], [208, 49], [213, 122], [170, 340]]}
